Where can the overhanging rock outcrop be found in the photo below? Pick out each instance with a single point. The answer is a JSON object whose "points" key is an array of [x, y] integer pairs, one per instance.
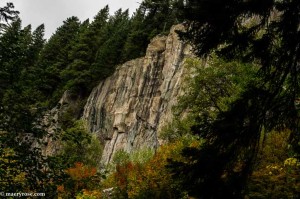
{"points": [[128, 109]]}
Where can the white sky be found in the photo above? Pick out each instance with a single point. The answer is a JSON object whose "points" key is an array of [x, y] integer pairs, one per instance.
{"points": [[53, 12]]}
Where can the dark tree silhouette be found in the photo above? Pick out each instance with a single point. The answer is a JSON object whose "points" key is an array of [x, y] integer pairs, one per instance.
{"points": [[263, 32]]}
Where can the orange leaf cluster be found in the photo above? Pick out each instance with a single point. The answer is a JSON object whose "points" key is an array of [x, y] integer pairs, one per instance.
{"points": [[151, 179], [80, 171], [60, 188]]}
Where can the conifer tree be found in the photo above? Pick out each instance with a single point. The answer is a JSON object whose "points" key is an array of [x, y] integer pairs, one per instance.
{"points": [[78, 73], [138, 39], [262, 32], [55, 58], [21, 162], [109, 53]]}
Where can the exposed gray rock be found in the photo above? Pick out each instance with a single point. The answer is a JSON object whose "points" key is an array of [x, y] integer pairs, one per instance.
{"points": [[128, 109], [53, 119]]}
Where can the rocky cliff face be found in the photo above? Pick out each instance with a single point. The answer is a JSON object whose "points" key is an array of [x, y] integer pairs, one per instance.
{"points": [[128, 109], [53, 119]]}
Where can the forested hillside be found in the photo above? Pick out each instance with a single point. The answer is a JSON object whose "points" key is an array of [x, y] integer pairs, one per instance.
{"points": [[235, 130]]}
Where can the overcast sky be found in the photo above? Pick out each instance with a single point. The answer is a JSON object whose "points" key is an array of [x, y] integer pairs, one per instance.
{"points": [[53, 12]]}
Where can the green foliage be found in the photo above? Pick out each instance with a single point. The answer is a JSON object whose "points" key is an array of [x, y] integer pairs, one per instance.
{"points": [[90, 51], [161, 14], [252, 31], [137, 177], [70, 112], [55, 57], [275, 175], [79, 146], [78, 158], [108, 54], [121, 157], [22, 164], [271, 40], [153, 17], [210, 89], [78, 75], [213, 86], [14, 42], [178, 128], [140, 156], [80, 54]]}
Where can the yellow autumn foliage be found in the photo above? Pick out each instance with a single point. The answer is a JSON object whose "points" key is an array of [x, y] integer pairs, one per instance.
{"points": [[151, 179]]}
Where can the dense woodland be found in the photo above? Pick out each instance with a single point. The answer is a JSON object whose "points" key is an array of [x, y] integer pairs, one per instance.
{"points": [[240, 138]]}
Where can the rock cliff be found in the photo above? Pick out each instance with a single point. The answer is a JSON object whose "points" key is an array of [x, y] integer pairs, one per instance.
{"points": [[128, 109]]}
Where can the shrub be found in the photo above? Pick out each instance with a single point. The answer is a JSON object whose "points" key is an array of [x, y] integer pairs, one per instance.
{"points": [[277, 175], [81, 178], [150, 179]]}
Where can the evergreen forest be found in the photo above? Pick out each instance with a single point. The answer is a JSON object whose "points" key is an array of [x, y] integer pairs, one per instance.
{"points": [[239, 139]]}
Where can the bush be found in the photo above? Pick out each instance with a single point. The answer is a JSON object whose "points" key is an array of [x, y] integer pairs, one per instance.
{"points": [[81, 178], [78, 145], [277, 175], [142, 178], [80, 157]]}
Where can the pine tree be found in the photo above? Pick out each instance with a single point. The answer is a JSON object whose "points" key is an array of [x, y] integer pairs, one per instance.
{"points": [[109, 53], [55, 58], [266, 33], [10, 49], [83, 53], [21, 162], [138, 39]]}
